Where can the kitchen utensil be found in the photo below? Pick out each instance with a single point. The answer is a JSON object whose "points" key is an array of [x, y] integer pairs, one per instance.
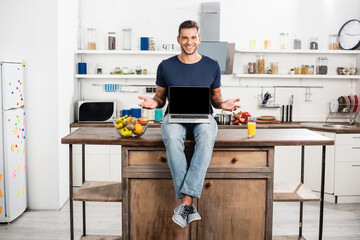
{"points": [[282, 113], [291, 107], [266, 118], [287, 113]]}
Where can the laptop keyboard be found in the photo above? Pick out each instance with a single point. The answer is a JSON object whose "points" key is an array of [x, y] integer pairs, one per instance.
{"points": [[190, 116]]}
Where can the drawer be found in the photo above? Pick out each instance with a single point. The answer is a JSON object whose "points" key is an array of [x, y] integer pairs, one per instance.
{"points": [[327, 134], [237, 158], [220, 158], [346, 153], [353, 139], [347, 178], [147, 158]]}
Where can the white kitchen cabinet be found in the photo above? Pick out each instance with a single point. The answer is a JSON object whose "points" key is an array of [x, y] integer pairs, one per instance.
{"points": [[287, 164], [347, 177], [342, 175]]}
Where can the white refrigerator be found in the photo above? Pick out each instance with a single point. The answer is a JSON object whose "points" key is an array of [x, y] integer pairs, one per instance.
{"points": [[13, 187]]}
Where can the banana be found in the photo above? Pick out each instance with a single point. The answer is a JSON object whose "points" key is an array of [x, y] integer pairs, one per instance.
{"points": [[120, 125], [121, 120]]}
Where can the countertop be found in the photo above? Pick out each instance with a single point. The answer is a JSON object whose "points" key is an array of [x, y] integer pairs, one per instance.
{"points": [[225, 138], [316, 126]]}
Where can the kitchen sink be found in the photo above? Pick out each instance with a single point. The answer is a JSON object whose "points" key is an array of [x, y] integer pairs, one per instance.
{"points": [[340, 126]]}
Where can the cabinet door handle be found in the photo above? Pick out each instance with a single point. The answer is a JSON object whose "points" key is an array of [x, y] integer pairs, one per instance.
{"points": [[356, 165], [209, 184], [162, 159], [235, 159], [355, 147]]}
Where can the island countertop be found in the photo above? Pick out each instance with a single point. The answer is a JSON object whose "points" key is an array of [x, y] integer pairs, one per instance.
{"points": [[225, 138]]}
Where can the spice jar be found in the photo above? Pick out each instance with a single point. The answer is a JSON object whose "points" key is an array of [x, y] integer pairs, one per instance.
{"points": [[126, 38], [333, 42], [296, 70], [144, 71], [321, 65], [309, 69], [274, 68], [313, 44], [303, 69], [251, 68], [117, 70], [111, 41], [260, 64], [91, 36], [283, 40], [99, 70], [297, 43], [125, 70]]}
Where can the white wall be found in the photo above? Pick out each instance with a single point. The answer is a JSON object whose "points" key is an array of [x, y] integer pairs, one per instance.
{"points": [[37, 31], [240, 22]]}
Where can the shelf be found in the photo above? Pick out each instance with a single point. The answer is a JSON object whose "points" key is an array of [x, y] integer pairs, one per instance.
{"points": [[296, 76], [115, 76], [294, 237], [126, 52], [293, 51], [286, 192], [99, 192], [100, 237]]}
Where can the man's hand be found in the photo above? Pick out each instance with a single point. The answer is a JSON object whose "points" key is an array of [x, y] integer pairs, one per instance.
{"points": [[149, 103], [229, 105]]}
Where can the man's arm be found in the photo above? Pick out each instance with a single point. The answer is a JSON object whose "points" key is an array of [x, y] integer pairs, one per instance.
{"points": [[158, 101], [219, 103]]}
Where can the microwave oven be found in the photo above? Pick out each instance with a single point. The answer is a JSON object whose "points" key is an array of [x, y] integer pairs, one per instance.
{"points": [[96, 111]]}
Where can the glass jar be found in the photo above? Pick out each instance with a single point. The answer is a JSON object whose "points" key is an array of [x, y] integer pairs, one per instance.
{"points": [[283, 40], [91, 36], [138, 70], [252, 43], [126, 38], [99, 70], [313, 44], [251, 68], [145, 71], [274, 68], [260, 64], [267, 44], [303, 69], [322, 65], [297, 43], [111, 41], [125, 70], [151, 44], [333, 42], [117, 70], [309, 69]]}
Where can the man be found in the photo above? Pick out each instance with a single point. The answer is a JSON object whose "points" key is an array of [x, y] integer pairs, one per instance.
{"points": [[188, 69]]}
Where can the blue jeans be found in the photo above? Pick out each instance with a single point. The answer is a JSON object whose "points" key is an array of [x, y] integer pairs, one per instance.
{"points": [[188, 180]]}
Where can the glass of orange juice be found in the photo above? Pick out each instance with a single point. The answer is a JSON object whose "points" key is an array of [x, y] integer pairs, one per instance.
{"points": [[251, 127]]}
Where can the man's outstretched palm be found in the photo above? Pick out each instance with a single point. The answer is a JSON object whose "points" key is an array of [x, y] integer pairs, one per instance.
{"points": [[229, 105], [149, 103]]}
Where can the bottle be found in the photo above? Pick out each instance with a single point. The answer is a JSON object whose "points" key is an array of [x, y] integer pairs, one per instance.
{"points": [[111, 41], [126, 38], [260, 64], [91, 36]]}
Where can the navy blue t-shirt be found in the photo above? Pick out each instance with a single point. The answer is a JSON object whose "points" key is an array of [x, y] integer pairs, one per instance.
{"points": [[173, 72]]}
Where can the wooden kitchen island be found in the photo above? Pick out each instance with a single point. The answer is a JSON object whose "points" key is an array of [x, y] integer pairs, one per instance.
{"points": [[237, 199]]}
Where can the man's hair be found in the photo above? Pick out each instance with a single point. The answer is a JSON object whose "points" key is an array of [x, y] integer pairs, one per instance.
{"points": [[188, 24]]}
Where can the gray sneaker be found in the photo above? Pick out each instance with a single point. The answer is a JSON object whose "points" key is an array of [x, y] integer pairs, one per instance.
{"points": [[193, 215], [181, 213]]}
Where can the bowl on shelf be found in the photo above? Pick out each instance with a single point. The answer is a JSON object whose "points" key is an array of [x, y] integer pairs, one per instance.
{"points": [[128, 127]]}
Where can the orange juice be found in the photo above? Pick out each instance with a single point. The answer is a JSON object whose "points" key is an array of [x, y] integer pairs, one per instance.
{"points": [[251, 129]]}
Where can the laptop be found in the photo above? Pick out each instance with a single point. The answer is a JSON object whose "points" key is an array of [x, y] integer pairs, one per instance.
{"points": [[189, 104]]}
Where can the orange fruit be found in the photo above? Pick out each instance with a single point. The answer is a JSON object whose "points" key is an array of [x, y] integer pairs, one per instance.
{"points": [[138, 129]]}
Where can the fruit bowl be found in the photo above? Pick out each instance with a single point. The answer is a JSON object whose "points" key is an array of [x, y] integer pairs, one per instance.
{"points": [[128, 127]]}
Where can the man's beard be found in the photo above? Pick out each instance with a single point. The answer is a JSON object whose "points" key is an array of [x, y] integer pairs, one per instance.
{"points": [[187, 53]]}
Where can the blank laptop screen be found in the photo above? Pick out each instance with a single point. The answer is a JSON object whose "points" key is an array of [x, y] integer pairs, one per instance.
{"points": [[189, 100]]}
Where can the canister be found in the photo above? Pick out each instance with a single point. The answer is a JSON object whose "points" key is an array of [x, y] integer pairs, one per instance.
{"points": [[126, 38]]}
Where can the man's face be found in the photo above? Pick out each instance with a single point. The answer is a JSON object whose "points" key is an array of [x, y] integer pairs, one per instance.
{"points": [[189, 40]]}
